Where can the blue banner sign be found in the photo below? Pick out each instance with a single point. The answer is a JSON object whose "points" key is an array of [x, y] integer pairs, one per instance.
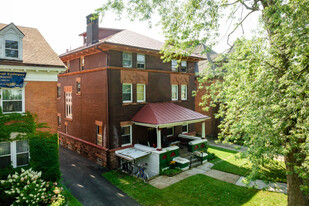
{"points": [[12, 79]]}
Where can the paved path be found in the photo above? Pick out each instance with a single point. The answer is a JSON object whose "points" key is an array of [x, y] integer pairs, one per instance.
{"points": [[84, 179]]}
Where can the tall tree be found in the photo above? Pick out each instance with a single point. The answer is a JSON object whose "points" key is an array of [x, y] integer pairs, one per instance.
{"points": [[265, 87]]}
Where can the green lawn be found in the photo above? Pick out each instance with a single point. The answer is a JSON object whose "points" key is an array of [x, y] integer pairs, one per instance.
{"points": [[72, 201], [230, 161], [194, 190]]}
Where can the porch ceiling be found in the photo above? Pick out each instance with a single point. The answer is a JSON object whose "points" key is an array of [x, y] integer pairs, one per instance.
{"points": [[166, 114]]}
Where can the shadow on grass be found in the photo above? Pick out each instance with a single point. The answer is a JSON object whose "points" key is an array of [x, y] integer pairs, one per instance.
{"points": [[194, 190]]}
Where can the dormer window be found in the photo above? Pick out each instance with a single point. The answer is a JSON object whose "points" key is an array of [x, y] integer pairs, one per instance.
{"points": [[11, 43], [11, 49]]}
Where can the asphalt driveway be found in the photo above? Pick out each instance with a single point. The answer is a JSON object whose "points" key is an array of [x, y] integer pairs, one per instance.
{"points": [[85, 181]]}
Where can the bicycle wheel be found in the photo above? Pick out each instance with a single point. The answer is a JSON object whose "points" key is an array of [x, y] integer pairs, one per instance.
{"points": [[145, 177]]}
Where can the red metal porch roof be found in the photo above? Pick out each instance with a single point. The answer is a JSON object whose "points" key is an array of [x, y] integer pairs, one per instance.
{"points": [[165, 113]]}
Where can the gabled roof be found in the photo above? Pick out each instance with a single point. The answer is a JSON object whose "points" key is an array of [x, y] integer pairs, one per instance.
{"points": [[129, 39], [165, 113], [36, 50]]}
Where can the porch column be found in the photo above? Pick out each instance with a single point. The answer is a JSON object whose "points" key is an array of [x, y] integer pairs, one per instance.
{"points": [[203, 130], [159, 147]]}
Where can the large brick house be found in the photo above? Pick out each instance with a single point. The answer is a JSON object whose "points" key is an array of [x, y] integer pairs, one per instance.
{"points": [[28, 82], [117, 92]]}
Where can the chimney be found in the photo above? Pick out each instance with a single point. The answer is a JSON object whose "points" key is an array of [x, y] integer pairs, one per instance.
{"points": [[92, 30]]}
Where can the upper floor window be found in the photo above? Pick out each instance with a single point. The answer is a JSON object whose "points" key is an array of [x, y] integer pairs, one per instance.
{"points": [[174, 65], [11, 49], [78, 87], [184, 91], [140, 61], [59, 120], [184, 67], [68, 105], [141, 92], [174, 92], [82, 64], [58, 91], [68, 66], [127, 59], [12, 100], [126, 93], [126, 135], [15, 153]]}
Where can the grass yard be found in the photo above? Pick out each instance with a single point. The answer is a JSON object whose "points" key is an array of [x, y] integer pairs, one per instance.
{"points": [[194, 190], [230, 161], [72, 201]]}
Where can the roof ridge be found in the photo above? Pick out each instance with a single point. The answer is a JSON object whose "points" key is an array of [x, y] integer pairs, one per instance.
{"points": [[150, 106]]}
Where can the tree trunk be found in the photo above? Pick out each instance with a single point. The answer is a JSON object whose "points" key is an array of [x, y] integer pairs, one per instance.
{"points": [[295, 196]]}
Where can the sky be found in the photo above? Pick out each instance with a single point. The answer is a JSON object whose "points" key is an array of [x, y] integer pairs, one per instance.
{"points": [[61, 21]]}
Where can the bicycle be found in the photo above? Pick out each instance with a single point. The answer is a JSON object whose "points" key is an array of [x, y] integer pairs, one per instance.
{"points": [[141, 172], [127, 167]]}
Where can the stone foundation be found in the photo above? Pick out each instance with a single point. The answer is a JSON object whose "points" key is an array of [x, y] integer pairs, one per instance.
{"points": [[95, 153]]}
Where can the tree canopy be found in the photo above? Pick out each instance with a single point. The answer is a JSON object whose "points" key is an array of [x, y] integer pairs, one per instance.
{"points": [[264, 92]]}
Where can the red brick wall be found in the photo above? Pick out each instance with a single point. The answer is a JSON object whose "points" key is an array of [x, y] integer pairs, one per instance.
{"points": [[41, 99], [210, 124]]}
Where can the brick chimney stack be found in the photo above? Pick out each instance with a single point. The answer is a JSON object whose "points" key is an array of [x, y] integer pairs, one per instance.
{"points": [[92, 30]]}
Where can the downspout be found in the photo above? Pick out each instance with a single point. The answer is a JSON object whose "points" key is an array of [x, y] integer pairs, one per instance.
{"points": [[108, 158]]}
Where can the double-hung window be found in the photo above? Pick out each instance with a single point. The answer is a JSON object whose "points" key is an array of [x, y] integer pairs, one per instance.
{"points": [[126, 93], [127, 59], [15, 153], [58, 91], [183, 66], [68, 105], [174, 65], [185, 128], [174, 92], [126, 135], [11, 49], [184, 91], [82, 64], [140, 61], [141, 92], [170, 131], [12, 100], [99, 135]]}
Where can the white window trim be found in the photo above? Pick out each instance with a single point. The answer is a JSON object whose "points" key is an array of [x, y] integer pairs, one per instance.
{"points": [[23, 99], [144, 99], [176, 92], [130, 143], [138, 61], [131, 93], [68, 103], [173, 132], [130, 66], [187, 128], [98, 134], [176, 69], [186, 92], [13, 154]]}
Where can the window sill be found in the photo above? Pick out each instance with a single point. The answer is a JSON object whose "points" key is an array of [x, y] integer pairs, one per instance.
{"points": [[68, 119], [58, 98], [78, 94], [133, 103]]}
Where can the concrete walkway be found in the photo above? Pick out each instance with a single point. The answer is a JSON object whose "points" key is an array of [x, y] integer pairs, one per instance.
{"points": [[85, 181]]}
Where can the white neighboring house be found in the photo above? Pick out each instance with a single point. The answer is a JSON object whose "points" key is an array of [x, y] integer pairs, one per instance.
{"points": [[28, 82]]}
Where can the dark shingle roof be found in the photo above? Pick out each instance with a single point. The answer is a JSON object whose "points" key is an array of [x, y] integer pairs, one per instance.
{"points": [[36, 50]]}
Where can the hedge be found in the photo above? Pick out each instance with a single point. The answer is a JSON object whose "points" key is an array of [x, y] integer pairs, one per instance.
{"points": [[44, 155]]}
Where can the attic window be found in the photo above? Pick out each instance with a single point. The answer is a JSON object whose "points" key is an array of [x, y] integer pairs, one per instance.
{"points": [[11, 49]]}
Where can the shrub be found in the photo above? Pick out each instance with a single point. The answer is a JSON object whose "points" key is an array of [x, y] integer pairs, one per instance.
{"points": [[27, 188], [210, 156], [44, 153], [171, 172]]}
